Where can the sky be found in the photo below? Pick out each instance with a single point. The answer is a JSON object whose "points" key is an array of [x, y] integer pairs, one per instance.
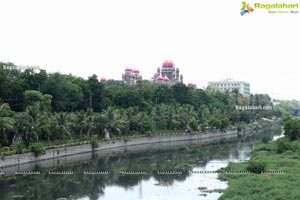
{"points": [[206, 40]]}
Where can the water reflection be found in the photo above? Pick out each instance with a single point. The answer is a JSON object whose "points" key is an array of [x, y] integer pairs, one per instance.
{"points": [[173, 173]]}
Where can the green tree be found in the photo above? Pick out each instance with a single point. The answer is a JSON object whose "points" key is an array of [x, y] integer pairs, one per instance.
{"points": [[33, 98], [67, 95], [7, 124], [292, 129], [96, 93], [181, 93]]}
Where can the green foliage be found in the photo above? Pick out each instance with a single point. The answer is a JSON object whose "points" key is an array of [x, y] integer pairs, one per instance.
{"points": [[21, 147], [96, 93], [292, 129], [181, 93], [7, 124], [263, 187], [38, 149], [67, 95], [256, 167], [267, 186], [282, 145], [32, 97], [48, 107], [241, 127], [266, 139]]}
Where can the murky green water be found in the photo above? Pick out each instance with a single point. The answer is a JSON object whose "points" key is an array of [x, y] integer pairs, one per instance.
{"points": [[171, 173]]}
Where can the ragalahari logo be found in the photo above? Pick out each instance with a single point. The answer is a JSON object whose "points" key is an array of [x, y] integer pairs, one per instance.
{"points": [[246, 8]]}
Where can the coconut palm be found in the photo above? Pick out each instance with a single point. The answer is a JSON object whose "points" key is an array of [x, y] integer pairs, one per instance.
{"points": [[114, 120], [7, 123], [60, 125]]}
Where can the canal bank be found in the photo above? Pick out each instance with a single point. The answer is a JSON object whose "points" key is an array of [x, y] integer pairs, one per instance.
{"points": [[272, 172], [186, 157], [121, 145]]}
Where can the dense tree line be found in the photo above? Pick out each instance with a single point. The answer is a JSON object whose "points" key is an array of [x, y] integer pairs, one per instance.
{"points": [[41, 106]]}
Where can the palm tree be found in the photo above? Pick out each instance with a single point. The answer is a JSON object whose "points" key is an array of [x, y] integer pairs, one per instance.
{"points": [[33, 115], [145, 123], [89, 124], [160, 116], [7, 123], [60, 125], [45, 127], [23, 123], [80, 121], [114, 120]]}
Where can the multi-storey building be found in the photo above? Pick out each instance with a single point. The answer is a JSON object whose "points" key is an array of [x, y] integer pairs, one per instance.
{"points": [[229, 84]]}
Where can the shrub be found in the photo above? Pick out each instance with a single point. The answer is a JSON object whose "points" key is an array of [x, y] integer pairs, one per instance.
{"points": [[295, 146], [21, 147], [5, 149], [292, 128], [266, 139], [282, 145], [38, 149], [256, 167]]}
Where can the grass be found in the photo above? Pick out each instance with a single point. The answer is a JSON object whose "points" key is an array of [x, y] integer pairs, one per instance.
{"points": [[266, 186]]}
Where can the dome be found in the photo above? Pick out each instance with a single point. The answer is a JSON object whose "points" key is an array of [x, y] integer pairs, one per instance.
{"points": [[103, 79], [136, 71], [166, 78], [128, 69], [160, 78], [192, 85], [168, 64]]}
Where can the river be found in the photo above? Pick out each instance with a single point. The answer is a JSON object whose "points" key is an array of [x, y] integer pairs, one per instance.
{"points": [[168, 173]]}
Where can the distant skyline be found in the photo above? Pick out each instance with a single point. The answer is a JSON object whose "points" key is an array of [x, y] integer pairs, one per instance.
{"points": [[208, 41]]}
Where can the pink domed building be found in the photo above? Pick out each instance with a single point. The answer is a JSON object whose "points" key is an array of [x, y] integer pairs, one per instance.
{"points": [[103, 80], [167, 74], [193, 85], [131, 76]]}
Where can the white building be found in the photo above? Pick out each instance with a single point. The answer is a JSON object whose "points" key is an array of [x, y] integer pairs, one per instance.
{"points": [[230, 85]]}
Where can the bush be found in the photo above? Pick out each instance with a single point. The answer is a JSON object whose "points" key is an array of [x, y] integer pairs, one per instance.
{"points": [[295, 146], [38, 149], [4, 149], [266, 139], [265, 147], [292, 128], [21, 147], [256, 167], [282, 145]]}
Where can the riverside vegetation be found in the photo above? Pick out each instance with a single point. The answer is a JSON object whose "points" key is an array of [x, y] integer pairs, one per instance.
{"points": [[274, 167], [40, 110], [92, 186]]}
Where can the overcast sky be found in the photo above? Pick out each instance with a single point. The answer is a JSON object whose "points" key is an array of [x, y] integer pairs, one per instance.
{"points": [[208, 40]]}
